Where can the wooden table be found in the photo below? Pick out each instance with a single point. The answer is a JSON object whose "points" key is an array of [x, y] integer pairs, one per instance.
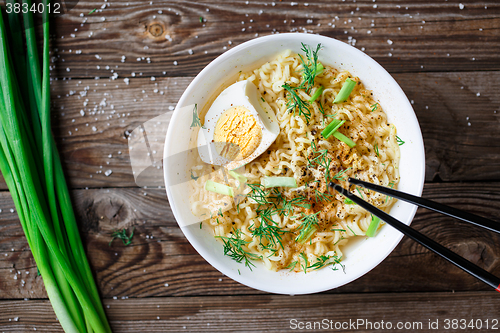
{"points": [[130, 60]]}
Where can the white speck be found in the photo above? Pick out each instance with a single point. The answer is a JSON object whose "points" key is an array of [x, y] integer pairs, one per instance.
{"points": [[115, 297], [98, 56], [94, 128], [175, 63], [375, 6], [166, 284], [16, 318], [390, 42], [67, 69], [190, 51], [12, 210], [478, 94], [468, 124], [127, 81], [369, 32], [461, 6], [108, 172], [153, 78]]}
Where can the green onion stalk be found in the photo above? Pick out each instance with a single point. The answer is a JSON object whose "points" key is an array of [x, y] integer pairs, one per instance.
{"points": [[31, 167]]}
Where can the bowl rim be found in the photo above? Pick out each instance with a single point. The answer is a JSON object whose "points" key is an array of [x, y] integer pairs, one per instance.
{"points": [[300, 37]]}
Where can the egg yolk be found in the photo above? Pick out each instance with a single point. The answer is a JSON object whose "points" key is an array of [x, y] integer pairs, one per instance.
{"points": [[238, 130]]}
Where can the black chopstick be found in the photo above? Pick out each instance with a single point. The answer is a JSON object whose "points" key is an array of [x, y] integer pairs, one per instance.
{"points": [[432, 205], [428, 243]]}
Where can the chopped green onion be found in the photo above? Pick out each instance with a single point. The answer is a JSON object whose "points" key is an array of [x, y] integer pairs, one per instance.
{"points": [[372, 228], [316, 94], [92, 11], [219, 188], [305, 235], [241, 179], [278, 181], [348, 201], [345, 91], [344, 139], [319, 69], [326, 134]]}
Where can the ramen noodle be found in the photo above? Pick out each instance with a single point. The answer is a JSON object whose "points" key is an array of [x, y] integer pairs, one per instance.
{"points": [[265, 225]]}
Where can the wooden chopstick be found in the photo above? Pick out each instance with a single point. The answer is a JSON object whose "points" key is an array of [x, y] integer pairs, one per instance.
{"points": [[425, 241], [432, 205]]}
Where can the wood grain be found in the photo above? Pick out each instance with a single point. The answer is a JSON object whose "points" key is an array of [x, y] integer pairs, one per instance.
{"points": [[269, 313], [160, 261], [167, 38]]}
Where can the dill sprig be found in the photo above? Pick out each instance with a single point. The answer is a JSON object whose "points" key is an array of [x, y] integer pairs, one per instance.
{"points": [[374, 107], [122, 234], [399, 141], [341, 174], [307, 227], [305, 264], [320, 159], [233, 248], [322, 196], [268, 230], [196, 119], [295, 103], [311, 65]]}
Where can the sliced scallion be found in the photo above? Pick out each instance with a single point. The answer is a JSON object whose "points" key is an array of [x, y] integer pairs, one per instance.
{"points": [[372, 228], [345, 91], [344, 139], [305, 235], [242, 179], [326, 134], [278, 182], [219, 188], [316, 94]]}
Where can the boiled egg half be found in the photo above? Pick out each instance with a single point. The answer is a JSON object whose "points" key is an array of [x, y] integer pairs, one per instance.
{"points": [[239, 126]]}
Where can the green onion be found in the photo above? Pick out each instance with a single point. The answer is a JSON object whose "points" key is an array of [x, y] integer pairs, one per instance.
{"points": [[219, 188], [304, 237], [348, 201], [316, 94], [278, 181], [241, 179], [344, 139], [345, 91], [319, 69], [31, 167], [372, 228], [329, 130]]}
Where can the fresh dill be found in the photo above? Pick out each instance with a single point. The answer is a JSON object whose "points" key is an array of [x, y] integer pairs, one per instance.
{"points": [[122, 234], [374, 107], [341, 230], [320, 159], [201, 225], [376, 149], [92, 11], [391, 185], [322, 196], [268, 229], [307, 227], [262, 98], [351, 231], [399, 141], [258, 194], [292, 265], [341, 174], [306, 263], [201, 19], [193, 177], [287, 205], [196, 119], [295, 103], [233, 248], [360, 194], [311, 66]]}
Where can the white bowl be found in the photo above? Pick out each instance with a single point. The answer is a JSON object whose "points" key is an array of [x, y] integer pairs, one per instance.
{"points": [[360, 256]]}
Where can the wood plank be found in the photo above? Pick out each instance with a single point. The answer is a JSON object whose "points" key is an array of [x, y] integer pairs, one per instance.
{"points": [[445, 104], [160, 261], [272, 313], [168, 38]]}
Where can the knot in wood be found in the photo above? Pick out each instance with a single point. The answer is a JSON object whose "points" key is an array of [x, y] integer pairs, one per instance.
{"points": [[156, 29]]}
